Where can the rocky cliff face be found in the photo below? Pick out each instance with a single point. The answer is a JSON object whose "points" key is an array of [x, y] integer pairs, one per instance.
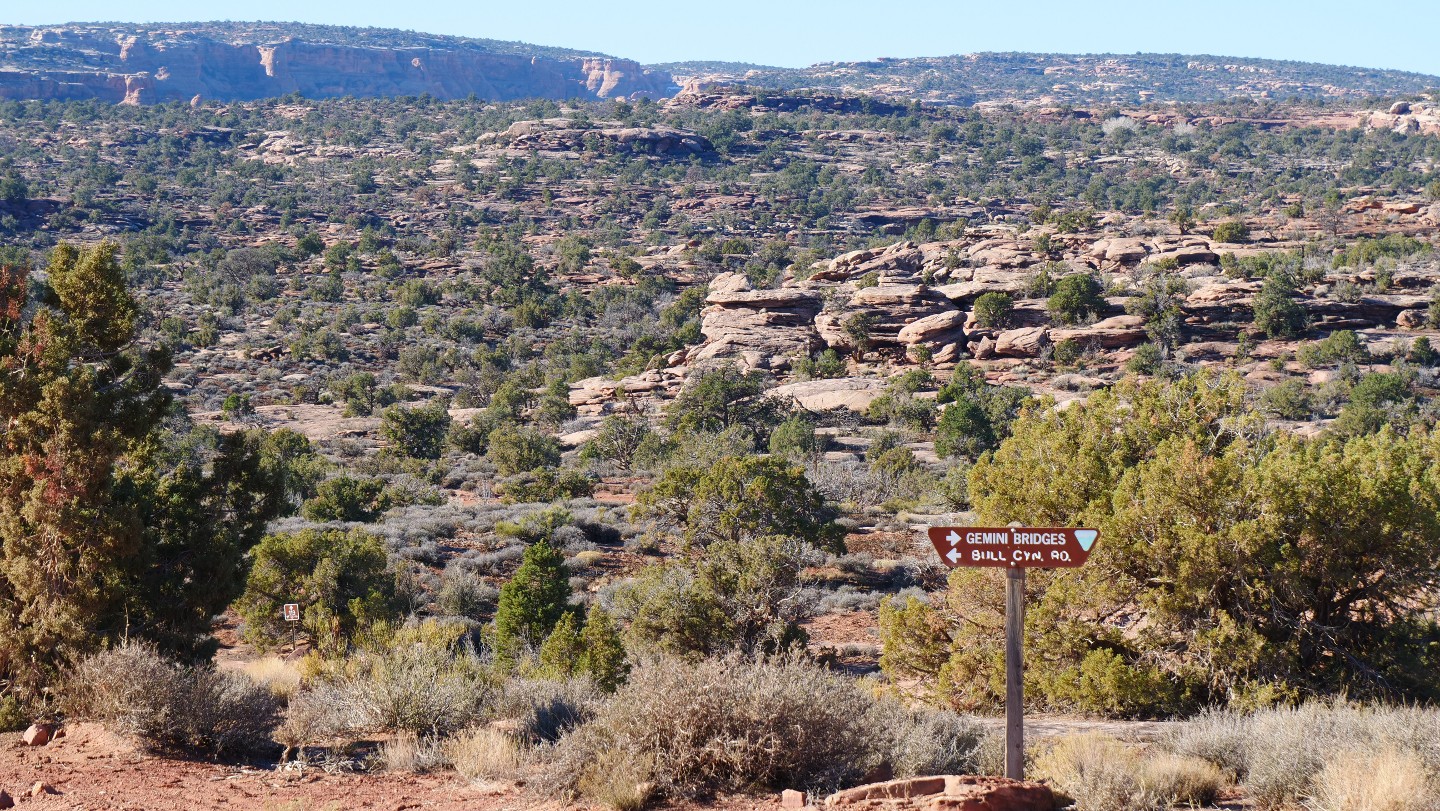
{"points": [[149, 66]]}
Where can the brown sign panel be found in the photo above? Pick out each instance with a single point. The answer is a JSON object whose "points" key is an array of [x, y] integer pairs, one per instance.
{"points": [[1025, 547], [291, 612]]}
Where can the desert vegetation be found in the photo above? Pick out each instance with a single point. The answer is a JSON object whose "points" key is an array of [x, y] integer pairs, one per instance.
{"points": [[593, 439]]}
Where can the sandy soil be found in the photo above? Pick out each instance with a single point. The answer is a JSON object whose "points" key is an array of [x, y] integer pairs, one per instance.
{"points": [[92, 769]]}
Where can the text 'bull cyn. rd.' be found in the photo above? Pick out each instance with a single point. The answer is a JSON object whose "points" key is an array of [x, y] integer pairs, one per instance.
{"points": [[1037, 547]]}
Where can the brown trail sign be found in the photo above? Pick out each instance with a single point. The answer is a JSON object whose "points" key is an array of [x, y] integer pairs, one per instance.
{"points": [[1047, 548], [1016, 549]]}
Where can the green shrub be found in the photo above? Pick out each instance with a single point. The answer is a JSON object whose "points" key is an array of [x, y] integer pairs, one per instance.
{"points": [[1232, 231], [344, 498], [1287, 400], [1276, 312], [531, 603], [1421, 353], [339, 579], [1164, 469], [739, 596], [741, 498], [1148, 359], [418, 433], [829, 364], [1068, 352], [547, 484], [795, 439], [1076, 298], [993, 310], [518, 450]]}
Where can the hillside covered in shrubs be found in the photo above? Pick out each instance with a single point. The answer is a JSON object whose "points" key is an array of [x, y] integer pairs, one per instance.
{"points": [[595, 442]]}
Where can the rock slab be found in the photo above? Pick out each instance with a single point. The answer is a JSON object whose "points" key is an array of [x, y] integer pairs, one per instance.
{"points": [[946, 793]]}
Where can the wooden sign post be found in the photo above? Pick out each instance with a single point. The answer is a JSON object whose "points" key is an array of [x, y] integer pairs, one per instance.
{"points": [[1016, 549]]}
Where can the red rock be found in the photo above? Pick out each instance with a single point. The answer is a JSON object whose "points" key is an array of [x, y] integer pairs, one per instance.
{"points": [[790, 798], [38, 734], [41, 788], [947, 793]]}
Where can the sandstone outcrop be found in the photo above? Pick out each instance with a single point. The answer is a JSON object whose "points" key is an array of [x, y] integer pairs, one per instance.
{"points": [[900, 262], [854, 393], [1113, 252], [762, 329], [932, 319], [564, 134], [1115, 332]]}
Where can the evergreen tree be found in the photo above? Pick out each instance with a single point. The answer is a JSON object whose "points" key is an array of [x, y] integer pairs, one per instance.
{"points": [[108, 526], [602, 654], [531, 604], [560, 655]]}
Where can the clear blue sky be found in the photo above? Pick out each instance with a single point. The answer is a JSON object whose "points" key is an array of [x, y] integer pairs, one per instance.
{"points": [[1371, 33]]}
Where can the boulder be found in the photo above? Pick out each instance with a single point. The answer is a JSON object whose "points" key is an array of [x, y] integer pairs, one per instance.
{"points": [[853, 393], [1411, 319], [1119, 251], [1368, 311], [949, 792], [1026, 342], [1005, 252], [986, 280], [901, 261], [942, 327], [38, 734], [1218, 300], [1111, 333], [790, 798]]}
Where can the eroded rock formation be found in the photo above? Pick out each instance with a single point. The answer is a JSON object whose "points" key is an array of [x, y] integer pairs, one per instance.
{"points": [[142, 66]]}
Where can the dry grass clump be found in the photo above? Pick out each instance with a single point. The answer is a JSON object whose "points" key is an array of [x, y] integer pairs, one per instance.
{"points": [[408, 752], [134, 690], [1101, 773], [280, 677], [619, 781], [484, 753], [1381, 781], [1309, 754]]}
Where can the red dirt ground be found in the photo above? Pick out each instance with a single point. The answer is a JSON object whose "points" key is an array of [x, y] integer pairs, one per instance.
{"points": [[93, 770]]}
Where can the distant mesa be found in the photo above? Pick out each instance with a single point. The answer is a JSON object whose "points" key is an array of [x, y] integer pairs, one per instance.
{"points": [[126, 63], [155, 64]]}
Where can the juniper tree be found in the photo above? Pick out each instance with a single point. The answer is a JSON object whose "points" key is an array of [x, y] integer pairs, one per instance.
{"points": [[531, 603], [108, 525]]}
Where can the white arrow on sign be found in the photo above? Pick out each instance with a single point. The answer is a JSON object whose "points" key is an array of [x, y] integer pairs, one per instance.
{"points": [[954, 555], [952, 538]]}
